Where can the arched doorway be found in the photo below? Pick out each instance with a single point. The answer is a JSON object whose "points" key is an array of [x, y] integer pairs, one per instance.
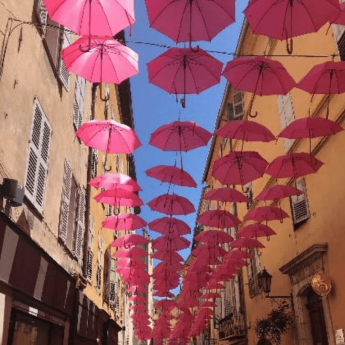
{"points": [[317, 319]]}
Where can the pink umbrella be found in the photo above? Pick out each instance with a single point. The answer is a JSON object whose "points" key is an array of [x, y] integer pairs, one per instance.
{"points": [[130, 262], [184, 71], [171, 174], [167, 266], [246, 243], [137, 289], [187, 21], [209, 295], [238, 254], [108, 136], [129, 240], [225, 195], [218, 219], [278, 192], [119, 197], [171, 204], [259, 75], [175, 241], [266, 213], [239, 167], [130, 253], [92, 17], [138, 307], [167, 256], [169, 225], [255, 230], [294, 165], [113, 180], [124, 221], [213, 236], [165, 304], [284, 19], [205, 250], [245, 130], [340, 17]]}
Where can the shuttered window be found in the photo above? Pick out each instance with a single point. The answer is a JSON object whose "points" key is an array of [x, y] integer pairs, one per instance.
{"points": [[286, 114], [80, 225], [65, 40], [89, 257], [42, 15], [341, 42], [98, 278], [94, 163], [237, 103], [37, 166], [249, 194], [106, 103], [99, 263], [109, 277], [299, 204], [78, 111]]}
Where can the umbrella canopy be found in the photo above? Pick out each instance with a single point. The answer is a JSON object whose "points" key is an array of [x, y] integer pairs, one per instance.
{"points": [[169, 257], [95, 17], [266, 213], [137, 289], [186, 21], [180, 136], [294, 165], [108, 136], [206, 250], [170, 241], [245, 130], [171, 204], [129, 240], [130, 253], [113, 180], [278, 192], [184, 71], [107, 61], [162, 266], [225, 195], [255, 230], [238, 254], [239, 167], [246, 243], [310, 127], [171, 174], [213, 237], [169, 225], [219, 219], [119, 197], [124, 221], [130, 263], [340, 17]]}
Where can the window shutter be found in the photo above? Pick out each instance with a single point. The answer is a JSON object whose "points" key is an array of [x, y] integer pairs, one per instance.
{"points": [[112, 113], [230, 111], [112, 279], [65, 40], [65, 201], [238, 109], [341, 42], [251, 283], [89, 265], [80, 226], [94, 163], [299, 204], [286, 114], [79, 102], [42, 15]]}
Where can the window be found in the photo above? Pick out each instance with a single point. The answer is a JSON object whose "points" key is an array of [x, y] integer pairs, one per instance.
{"points": [[117, 162], [249, 194], [94, 163], [99, 278], [42, 15], [109, 278], [237, 103], [253, 269], [100, 255], [37, 166], [106, 103], [287, 115], [78, 102], [299, 204], [80, 225], [89, 257], [110, 210], [112, 113], [65, 40]]}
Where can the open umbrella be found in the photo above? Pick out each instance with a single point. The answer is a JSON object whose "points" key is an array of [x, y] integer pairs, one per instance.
{"points": [[278, 192], [169, 257], [225, 195], [246, 243], [184, 71], [258, 75], [239, 167], [170, 241], [108, 136], [129, 240], [266, 213], [255, 230], [130, 253], [119, 197], [284, 19], [130, 263], [124, 221], [169, 225], [218, 219], [340, 17], [213, 237], [171, 174], [171, 204], [113, 180], [137, 289]]}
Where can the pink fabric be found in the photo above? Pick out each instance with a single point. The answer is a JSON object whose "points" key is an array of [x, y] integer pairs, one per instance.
{"points": [[266, 213], [180, 136], [255, 230], [167, 71], [167, 256], [245, 130], [171, 174], [113, 197], [294, 165], [207, 250], [225, 195], [276, 18], [246, 243], [137, 289], [278, 192], [112, 180], [129, 240], [239, 167], [130, 253], [108, 17], [124, 221], [259, 75], [238, 254], [108, 136], [108, 61], [169, 225], [340, 17], [171, 204], [172, 241], [213, 237], [130, 262], [219, 219]]}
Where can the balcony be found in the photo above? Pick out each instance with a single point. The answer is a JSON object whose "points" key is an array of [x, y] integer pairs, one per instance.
{"points": [[232, 327]]}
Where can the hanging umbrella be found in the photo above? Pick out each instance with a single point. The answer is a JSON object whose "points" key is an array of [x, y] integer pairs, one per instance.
{"points": [[169, 225], [205, 250], [165, 304], [137, 289], [171, 174], [213, 237], [162, 266], [245, 130], [219, 219], [246, 243], [167, 256], [113, 180], [92, 17], [108, 136], [293, 165], [260, 76], [255, 230], [138, 307], [124, 221], [130, 262], [187, 21], [130, 253], [171, 204], [284, 19], [129, 240], [119, 197], [184, 71], [225, 195], [278, 192], [239, 167], [340, 17], [175, 241], [266, 213]]}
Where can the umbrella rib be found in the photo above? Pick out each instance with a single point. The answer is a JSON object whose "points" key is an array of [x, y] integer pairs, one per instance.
{"points": [[82, 16], [203, 18], [111, 61], [180, 26]]}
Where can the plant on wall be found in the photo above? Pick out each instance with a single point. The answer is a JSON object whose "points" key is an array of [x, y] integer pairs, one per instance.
{"points": [[270, 330]]}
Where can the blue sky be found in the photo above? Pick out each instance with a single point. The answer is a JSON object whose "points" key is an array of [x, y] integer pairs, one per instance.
{"points": [[153, 107]]}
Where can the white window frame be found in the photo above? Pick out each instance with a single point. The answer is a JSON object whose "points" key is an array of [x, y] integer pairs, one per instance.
{"points": [[298, 199], [238, 115], [287, 115]]}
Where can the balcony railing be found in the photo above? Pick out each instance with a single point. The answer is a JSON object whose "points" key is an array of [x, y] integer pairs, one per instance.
{"points": [[232, 326]]}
